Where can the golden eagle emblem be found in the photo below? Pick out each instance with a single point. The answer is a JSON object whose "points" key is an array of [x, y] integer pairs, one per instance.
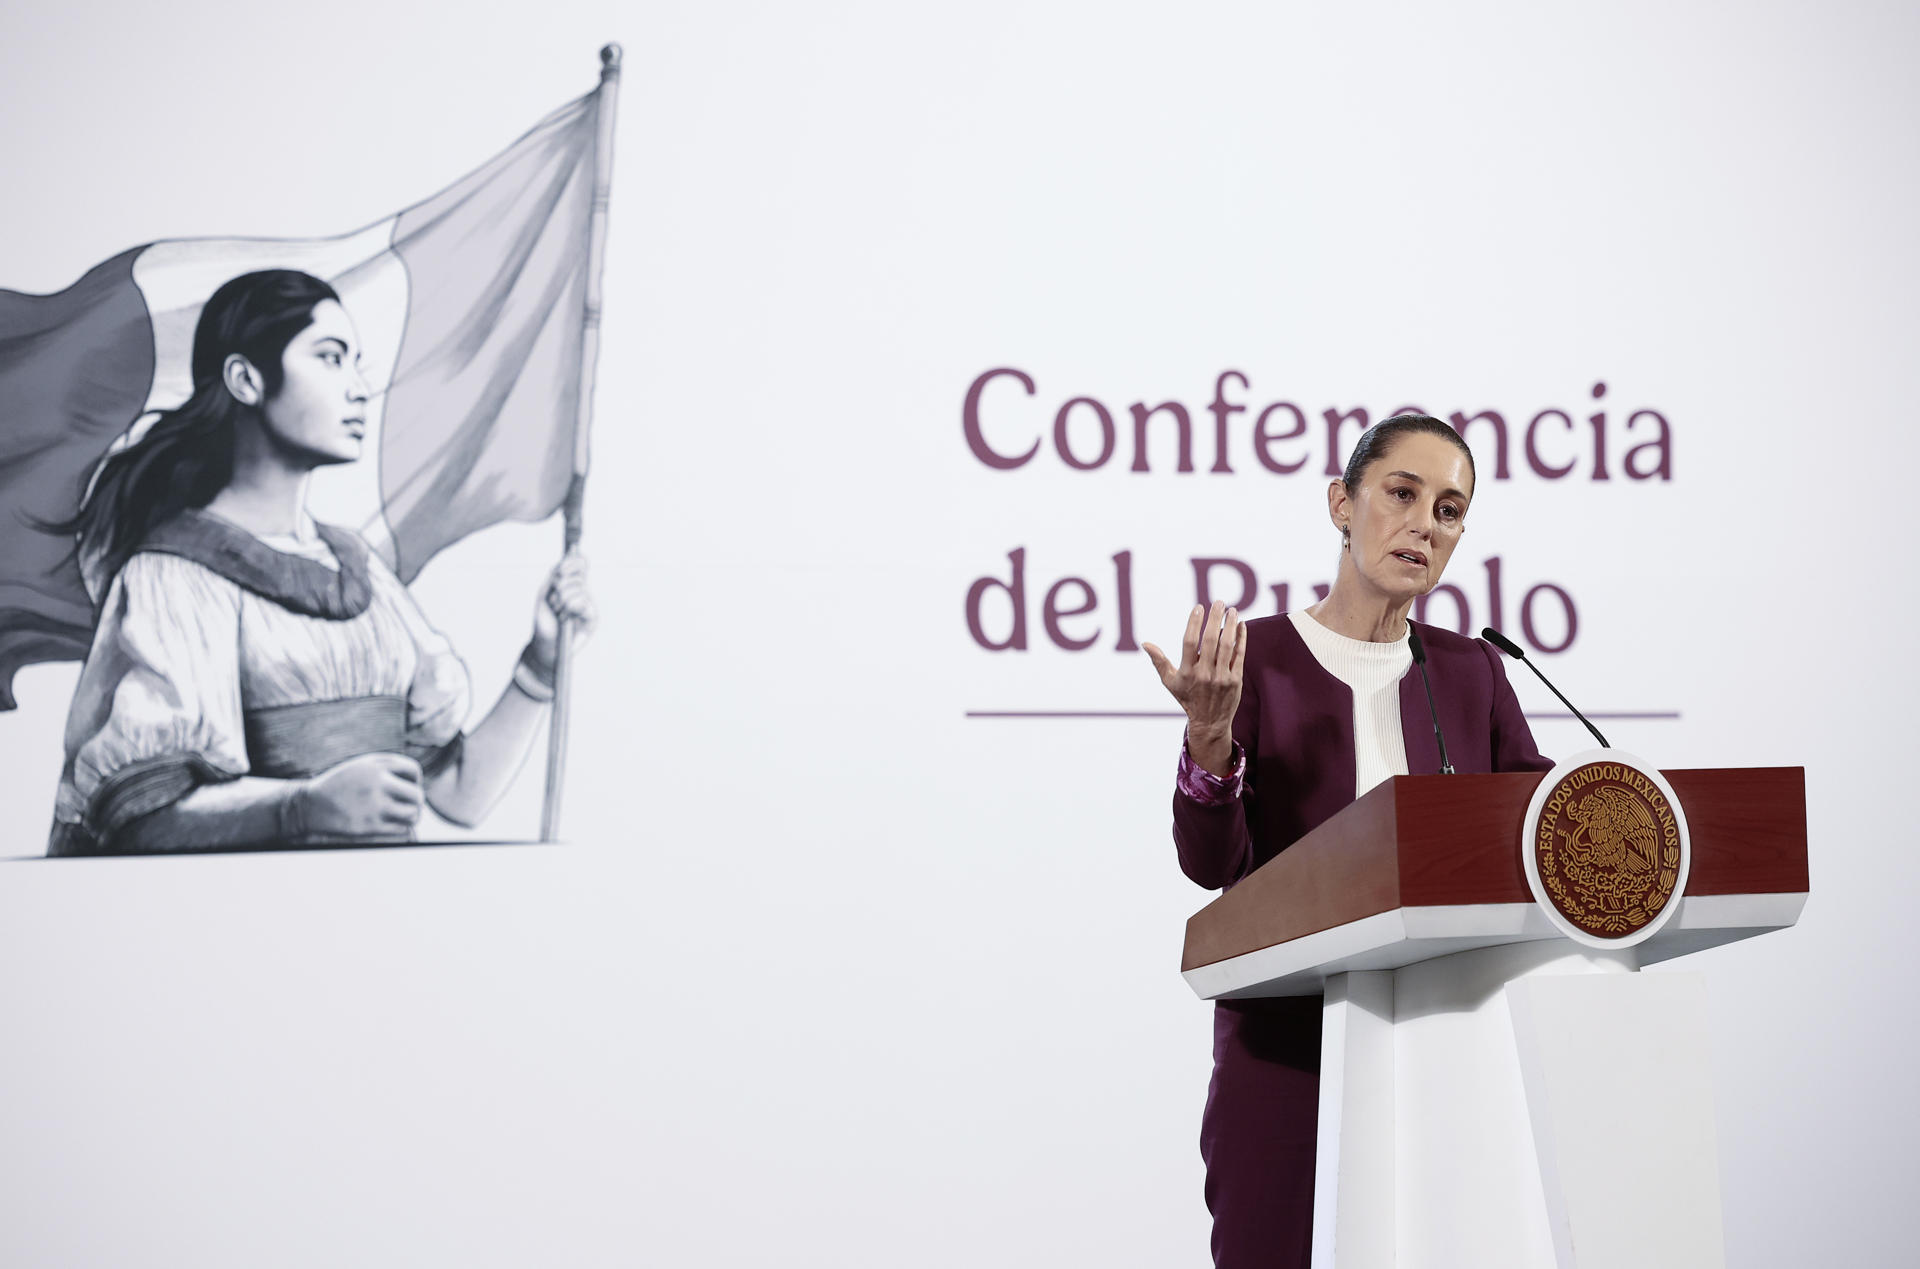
{"points": [[1615, 830], [1606, 849]]}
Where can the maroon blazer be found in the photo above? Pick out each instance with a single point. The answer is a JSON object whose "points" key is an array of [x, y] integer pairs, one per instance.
{"points": [[1296, 723]]}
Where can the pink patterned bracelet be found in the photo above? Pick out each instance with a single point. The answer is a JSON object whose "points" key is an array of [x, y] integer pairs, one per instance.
{"points": [[1205, 787]]}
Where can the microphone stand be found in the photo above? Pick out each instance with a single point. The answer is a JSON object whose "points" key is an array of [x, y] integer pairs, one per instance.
{"points": [[1513, 650], [1420, 659]]}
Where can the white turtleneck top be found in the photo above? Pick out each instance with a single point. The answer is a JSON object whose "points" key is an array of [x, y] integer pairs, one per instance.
{"points": [[1373, 671]]}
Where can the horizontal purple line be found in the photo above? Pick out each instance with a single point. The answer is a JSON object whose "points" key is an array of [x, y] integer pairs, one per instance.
{"points": [[1174, 713], [1628, 714], [1075, 713]]}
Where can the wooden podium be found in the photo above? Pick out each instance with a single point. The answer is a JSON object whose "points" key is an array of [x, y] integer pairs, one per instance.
{"points": [[1492, 1093]]}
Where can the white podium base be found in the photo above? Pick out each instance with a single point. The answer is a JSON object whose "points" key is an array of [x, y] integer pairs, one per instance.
{"points": [[1515, 1107]]}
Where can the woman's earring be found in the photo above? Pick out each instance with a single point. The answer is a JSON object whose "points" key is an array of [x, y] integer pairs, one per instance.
{"points": [[1346, 538]]}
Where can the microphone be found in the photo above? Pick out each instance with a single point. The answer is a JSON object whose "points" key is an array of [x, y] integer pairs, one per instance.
{"points": [[1512, 649], [1420, 659]]}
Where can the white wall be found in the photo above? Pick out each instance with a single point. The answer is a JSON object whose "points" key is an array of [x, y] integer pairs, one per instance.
{"points": [[833, 974]]}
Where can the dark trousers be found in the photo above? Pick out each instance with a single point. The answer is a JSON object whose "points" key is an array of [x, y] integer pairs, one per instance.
{"points": [[1258, 1135]]}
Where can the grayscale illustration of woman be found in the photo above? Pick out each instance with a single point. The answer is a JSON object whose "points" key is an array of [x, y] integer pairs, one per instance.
{"points": [[257, 677]]}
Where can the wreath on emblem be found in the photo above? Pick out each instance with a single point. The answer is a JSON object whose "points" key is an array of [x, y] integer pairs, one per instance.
{"points": [[1617, 877]]}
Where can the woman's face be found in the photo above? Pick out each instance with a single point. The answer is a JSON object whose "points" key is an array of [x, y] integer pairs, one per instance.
{"points": [[320, 411], [1407, 514]]}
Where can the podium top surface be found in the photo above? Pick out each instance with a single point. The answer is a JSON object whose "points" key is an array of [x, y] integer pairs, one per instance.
{"points": [[1440, 840]]}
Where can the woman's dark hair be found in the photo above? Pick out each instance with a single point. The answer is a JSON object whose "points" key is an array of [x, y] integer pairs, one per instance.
{"points": [[186, 456], [1384, 435]]}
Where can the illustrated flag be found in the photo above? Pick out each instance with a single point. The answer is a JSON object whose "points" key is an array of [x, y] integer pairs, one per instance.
{"points": [[471, 308]]}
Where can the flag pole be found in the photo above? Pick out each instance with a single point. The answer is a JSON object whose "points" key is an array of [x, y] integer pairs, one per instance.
{"points": [[576, 489]]}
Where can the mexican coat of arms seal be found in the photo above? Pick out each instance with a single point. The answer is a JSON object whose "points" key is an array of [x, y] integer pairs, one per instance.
{"points": [[1605, 848]]}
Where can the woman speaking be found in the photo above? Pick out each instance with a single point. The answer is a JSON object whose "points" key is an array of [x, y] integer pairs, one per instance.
{"points": [[1290, 718]]}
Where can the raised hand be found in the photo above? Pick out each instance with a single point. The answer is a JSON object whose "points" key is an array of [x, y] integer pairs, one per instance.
{"points": [[565, 595], [1213, 654], [374, 795]]}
